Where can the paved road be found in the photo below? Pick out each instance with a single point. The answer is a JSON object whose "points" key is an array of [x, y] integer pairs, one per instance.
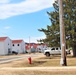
{"points": [[13, 58]]}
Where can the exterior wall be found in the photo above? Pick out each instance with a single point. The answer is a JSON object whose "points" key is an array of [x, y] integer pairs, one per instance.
{"points": [[8, 46], [2, 52], [35, 47], [23, 47], [27, 49], [5, 47], [19, 47], [15, 47]]}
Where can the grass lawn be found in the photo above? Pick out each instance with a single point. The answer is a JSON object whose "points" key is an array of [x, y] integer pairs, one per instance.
{"points": [[46, 62], [39, 62]]}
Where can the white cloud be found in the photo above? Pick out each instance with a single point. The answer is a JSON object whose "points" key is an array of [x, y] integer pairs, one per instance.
{"points": [[4, 1], [24, 7], [7, 27]]}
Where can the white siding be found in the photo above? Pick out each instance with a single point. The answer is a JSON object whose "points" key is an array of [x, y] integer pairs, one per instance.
{"points": [[5, 46], [23, 47], [20, 48], [2, 52], [8, 46], [15, 47]]}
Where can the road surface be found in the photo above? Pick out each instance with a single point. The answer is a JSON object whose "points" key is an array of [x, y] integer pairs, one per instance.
{"points": [[14, 58]]}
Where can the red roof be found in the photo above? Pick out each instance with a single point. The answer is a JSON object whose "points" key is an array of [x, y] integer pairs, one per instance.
{"points": [[2, 38], [34, 45], [17, 41]]}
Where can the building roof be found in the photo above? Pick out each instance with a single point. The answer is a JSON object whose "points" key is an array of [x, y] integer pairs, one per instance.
{"points": [[17, 41], [3, 38]]}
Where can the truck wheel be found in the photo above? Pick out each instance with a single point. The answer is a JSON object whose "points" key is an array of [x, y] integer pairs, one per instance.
{"points": [[47, 54]]}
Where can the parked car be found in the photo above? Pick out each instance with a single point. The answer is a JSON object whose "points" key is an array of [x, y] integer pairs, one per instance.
{"points": [[14, 52], [53, 51]]}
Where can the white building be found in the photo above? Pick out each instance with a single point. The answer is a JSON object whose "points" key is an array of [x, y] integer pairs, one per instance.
{"points": [[5, 45], [18, 46]]}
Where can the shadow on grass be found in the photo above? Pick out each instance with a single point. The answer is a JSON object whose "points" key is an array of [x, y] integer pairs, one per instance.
{"points": [[44, 58], [69, 56], [39, 62], [36, 63]]}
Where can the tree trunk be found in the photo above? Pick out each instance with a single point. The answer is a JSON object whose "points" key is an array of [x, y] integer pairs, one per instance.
{"points": [[74, 49]]}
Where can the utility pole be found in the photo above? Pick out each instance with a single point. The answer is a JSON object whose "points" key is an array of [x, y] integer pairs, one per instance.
{"points": [[29, 45], [62, 34]]}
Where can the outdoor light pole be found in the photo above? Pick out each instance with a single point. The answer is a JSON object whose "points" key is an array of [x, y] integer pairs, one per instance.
{"points": [[62, 34], [29, 44]]}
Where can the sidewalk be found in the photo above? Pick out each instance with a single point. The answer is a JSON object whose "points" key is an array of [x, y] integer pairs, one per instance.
{"points": [[67, 68]]}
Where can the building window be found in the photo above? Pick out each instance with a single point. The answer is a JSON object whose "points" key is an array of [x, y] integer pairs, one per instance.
{"points": [[9, 51], [18, 45], [13, 45]]}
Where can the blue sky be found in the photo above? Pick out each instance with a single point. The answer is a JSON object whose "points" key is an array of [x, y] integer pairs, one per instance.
{"points": [[21, 19]]}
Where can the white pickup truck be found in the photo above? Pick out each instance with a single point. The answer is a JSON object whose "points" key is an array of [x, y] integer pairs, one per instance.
{"points": [[54, 51]]}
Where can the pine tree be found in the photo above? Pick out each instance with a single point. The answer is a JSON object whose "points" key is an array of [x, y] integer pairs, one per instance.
{"points": [[52, 31]]}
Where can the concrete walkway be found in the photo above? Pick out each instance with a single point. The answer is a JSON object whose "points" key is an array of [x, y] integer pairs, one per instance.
{"points": [[67, 68]]}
